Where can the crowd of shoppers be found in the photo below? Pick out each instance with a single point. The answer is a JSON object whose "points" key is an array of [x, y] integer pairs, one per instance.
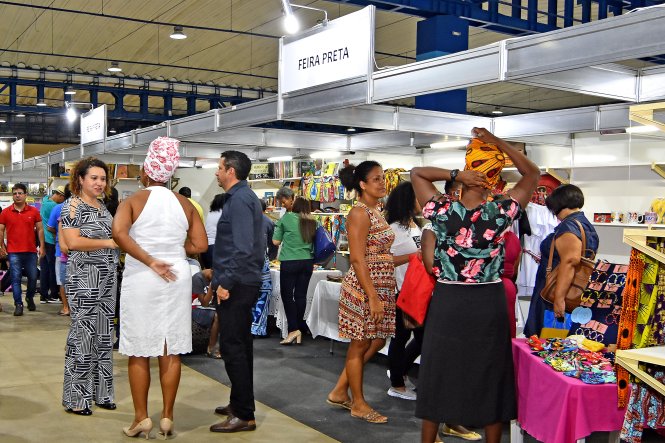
{"points": [[467, 246]]}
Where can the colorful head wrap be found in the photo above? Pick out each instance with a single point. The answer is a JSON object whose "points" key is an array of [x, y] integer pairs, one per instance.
{"points": [[162, 159], [486, 158]]}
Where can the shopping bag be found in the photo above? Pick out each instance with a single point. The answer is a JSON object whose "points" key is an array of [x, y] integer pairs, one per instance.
{"points": [[323, 245], [556, 329], [416, 292]]}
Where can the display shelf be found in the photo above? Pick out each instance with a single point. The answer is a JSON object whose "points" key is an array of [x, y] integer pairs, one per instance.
{"points": [[630, 359], [260, 180], [630, 225], [330, 214]]}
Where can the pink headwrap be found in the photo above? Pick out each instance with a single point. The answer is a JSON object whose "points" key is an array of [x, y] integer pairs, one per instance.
{"points": [[162, 159]]}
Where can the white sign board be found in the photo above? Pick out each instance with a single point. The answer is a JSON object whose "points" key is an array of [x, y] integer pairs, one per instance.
{"points": [[341, 50], [93, 125], [17, 151]]}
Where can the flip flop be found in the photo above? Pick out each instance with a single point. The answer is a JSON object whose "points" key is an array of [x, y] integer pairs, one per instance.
{"points": [[344, 404], [371, 417], [471, 436]]}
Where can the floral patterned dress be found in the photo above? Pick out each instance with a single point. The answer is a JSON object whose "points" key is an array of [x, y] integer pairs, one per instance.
{"points": [[469, 242], [355, 321]]}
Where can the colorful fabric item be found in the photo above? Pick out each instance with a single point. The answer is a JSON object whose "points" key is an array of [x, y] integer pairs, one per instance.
{"points": [[162, 159], [261, 307], [486, 158], [645, 409], [649, 308], [469, 242], [355, 321], [628, 319]]}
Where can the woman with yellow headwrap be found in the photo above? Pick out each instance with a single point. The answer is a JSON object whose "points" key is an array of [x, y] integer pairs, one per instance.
{"points": [[466, 372]]}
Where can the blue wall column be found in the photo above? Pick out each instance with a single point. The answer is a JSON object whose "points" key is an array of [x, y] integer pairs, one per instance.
{"points": [[437, 36]]}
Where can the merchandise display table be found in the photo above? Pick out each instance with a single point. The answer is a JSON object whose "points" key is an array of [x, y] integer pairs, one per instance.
{"points": [[276, 308], [558, 409], [323, 315]]}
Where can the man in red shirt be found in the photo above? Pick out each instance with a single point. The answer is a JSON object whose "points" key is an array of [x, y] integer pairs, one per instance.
{"points": [[20, 221]]}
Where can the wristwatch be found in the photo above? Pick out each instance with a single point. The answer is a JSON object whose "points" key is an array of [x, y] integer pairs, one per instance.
{"points": [[453, 175]]}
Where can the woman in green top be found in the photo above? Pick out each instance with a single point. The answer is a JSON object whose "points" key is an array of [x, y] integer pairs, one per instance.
{"points": [[295, 232]]}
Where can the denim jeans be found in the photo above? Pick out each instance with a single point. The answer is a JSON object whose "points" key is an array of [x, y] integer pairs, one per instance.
{"points": [[48, 286], [20, 262]]}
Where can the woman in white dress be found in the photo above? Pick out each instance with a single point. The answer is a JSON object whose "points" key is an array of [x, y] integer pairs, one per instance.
{"points": [[157, 228]]}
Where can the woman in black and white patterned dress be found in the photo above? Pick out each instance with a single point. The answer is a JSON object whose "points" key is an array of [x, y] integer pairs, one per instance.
{"points": [[90, 289]]}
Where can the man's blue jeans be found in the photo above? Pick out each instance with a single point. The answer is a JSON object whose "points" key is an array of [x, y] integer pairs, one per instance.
{"points": [[20, 262]]}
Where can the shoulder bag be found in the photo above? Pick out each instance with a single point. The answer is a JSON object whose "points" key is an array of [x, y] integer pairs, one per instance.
{"points": [[580, 281], [324, 247], [416, 292]]}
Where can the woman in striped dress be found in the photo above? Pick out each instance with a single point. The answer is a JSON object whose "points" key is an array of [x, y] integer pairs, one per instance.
{"points": [[367, 300]]}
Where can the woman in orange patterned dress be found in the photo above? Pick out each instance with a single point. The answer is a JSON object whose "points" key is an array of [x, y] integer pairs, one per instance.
{"points": [[367, 299]]}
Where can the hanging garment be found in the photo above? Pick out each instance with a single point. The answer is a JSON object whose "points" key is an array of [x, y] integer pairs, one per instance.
{"points": [[542, 224]]}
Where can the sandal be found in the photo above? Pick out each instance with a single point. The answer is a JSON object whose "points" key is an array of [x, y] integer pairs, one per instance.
{"points": [[344, 404], [215, 354], [371, 417], [63, 314], [471, 436]]}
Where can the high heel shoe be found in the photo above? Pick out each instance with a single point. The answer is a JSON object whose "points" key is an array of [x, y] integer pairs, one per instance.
{"points": [[144, 426], [293, 336], [165, 429]]}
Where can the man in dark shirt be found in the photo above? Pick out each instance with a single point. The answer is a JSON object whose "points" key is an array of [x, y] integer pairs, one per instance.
{"points": [[238, 259]]}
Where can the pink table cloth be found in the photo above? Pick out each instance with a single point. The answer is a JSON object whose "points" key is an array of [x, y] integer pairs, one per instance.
{"points": [[557, 409]]}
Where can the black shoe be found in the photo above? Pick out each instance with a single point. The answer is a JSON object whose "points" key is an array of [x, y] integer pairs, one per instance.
{"points": [[54, 301], [43, 300], [85, 411], [31, 305], [109, 406], [18, 311]]}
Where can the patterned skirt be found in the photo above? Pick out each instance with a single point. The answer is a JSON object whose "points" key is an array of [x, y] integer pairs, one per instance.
{"points": [[355, 321], [260, 308]]}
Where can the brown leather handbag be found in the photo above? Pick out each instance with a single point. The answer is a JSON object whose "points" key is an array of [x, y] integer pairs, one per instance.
{"points": [[583, 272]]}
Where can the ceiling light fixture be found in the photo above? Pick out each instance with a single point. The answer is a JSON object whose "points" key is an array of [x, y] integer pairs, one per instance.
{"points": [[41, 103], [70, 113], [3, 145], [20, 115], [115, 67], [325, 154], [112, 131], [2, 120], [350, 129], [280, 158], [291, 24], [178, 33], [497, 111], [642, 129], [69, 91], [449, 144]]}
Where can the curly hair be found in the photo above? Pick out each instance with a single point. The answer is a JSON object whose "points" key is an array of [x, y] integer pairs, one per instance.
{"points": [[352, 175], [81, 170], [401, 205]]}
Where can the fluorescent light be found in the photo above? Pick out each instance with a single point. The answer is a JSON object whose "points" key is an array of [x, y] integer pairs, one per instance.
{"points": [[350, 129], [2, 120], [449, 144], [177, 33], [71, 114], [20, 115], [112, 131], [280, 158], [41, 103], [325, 154], [3, 145], [641, 129], [497, 111], [70, 91], [115, 67]]}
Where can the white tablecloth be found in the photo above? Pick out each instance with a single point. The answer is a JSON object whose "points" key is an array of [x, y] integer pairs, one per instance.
{"points": [[323, 315], [277, 308]]}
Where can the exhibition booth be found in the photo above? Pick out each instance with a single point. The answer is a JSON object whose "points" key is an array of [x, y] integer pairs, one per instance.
{"points": [[612, 152]]}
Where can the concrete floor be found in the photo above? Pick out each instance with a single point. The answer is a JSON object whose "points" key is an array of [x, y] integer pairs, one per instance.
{"points": [[31, 371]]}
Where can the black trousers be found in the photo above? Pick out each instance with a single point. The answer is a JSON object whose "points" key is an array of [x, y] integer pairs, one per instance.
{"points": [[400, 355], [48, 286], [235, 343], [294, 276]]}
